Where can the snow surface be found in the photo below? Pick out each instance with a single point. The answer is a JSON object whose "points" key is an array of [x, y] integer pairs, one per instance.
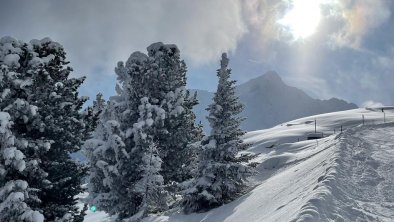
{"points": [[343, 177]]}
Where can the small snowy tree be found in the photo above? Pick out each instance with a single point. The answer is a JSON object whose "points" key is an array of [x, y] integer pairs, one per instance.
{"points": [[105, 151], [220, 176]]}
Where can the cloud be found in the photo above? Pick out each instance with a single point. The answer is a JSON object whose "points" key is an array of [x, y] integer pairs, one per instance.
{"points": [[351, 54], [345, 23], [98, 33], [360, 18], [371, 104], [262, 17]]}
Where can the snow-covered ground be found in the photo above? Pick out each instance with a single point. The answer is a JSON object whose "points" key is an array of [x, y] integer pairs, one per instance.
{"points": [[343, 177]]}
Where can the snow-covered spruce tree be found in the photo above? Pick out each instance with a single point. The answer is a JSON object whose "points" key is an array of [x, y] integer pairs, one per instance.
{"points": [[105, 152], [14, 83], [167, 86], [126, 181], [45, 106], [155, 82], [14, 192], [148, 188], [220, 176], [113, 173], [56, 96], [161, 76]]}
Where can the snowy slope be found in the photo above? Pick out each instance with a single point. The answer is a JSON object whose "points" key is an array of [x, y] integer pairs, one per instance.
{"points": [[344, 177], [269, 101]]}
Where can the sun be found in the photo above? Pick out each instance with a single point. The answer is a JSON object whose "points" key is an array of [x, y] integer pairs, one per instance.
{"points": [[302, 19]]}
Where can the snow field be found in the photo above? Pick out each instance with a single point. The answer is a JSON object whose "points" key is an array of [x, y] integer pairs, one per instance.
{"points": [[344, 177]]}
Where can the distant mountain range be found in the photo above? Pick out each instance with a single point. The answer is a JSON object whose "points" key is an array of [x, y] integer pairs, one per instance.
{"points": [[269, 101]]}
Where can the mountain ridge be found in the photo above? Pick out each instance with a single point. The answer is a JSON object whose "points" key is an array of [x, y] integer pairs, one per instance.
{"points": [[270, 101]]}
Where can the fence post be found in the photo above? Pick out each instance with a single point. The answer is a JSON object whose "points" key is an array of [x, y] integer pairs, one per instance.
{"points": [[341, 128], [315, 126], [363, 119]]}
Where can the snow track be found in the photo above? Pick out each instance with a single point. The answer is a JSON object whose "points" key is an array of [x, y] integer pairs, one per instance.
{"points": [[359, 183]]}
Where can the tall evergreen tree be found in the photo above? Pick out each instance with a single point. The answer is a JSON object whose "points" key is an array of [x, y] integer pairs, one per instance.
{"points": [[15, 79], [120, 146], [154, 118], [220, 176], [45, 110], [179, 131]]}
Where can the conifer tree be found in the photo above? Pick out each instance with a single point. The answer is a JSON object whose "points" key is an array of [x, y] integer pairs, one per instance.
{"points": [[45, 109], [153, 115], [179, 131], [14, 193], [220, 176], [104, 152], [15, 79], [149, 186], [118, 153]]}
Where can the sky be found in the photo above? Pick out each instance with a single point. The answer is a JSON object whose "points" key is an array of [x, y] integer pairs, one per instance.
{"points": [[328, 48]]}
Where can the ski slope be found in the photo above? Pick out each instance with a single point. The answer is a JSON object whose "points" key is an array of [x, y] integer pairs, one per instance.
{"points": [[343, 177]]}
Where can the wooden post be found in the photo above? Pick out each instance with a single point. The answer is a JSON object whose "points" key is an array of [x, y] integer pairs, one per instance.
{"points": [[315, 126], [341, 128], [363, 119]]}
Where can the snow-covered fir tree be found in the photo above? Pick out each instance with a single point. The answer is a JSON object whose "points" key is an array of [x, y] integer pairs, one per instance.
{"points": [[126, 181], [99, 104], [153, 116], [44, 106], [14, 192], [220, 176], [105, 152], [149, 185], [168, 81], [113, 171]]}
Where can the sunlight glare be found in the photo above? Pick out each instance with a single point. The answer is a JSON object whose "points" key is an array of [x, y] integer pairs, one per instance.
{"points": [[302, 19]]}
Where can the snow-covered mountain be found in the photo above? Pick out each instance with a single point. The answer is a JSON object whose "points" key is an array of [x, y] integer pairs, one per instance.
{"points": [[269, 101], [343, 177]]}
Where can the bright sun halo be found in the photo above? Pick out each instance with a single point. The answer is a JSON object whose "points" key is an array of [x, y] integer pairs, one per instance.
{"points": [[302, 19]]}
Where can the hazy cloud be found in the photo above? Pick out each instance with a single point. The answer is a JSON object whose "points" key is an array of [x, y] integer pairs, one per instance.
{"points": [[100, 32], [371, 104], [360, 18], [350, 55]]}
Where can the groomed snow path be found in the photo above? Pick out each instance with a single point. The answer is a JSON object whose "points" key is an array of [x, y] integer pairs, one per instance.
{"points": [[359, 186]]}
